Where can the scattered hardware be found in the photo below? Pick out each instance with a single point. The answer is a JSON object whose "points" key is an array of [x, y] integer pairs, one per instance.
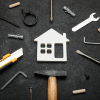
{"points": [[50, 38], [30, 93], [14, 5], [15, 36], [79, 91], [10, 58], [52, 83], [68, 11], [87, 77], [87, 21], [51, 12], [9, 22], [99, 29], [28, 14], [89, 42], [13, 79], [79, 52]]}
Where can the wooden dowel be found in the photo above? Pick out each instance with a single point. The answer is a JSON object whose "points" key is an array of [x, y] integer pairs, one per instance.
{"points": [[14, 5], [99, 29], [79, 91]]}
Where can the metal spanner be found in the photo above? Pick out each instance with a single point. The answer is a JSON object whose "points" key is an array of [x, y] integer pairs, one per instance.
{"points": [[87, 21]]}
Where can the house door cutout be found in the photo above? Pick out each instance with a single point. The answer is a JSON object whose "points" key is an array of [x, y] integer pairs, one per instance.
{"points": [[58, 50]]}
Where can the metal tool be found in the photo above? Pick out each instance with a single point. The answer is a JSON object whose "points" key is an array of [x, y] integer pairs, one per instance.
{"points": [[87, 21], [13, 79], [28, 14], [68, 11], [9, 22], [52, 84], [79, 52], [51, 12], [15, 36], [30, 93], [9, 59], [89, 42]]}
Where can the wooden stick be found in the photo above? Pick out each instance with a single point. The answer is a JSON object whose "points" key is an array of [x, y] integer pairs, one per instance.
{"points": [[14, 5], [79, 91], [51, 12]]}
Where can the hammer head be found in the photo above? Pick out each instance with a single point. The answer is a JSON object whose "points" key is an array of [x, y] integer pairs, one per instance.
{"points": [[51, 73]]}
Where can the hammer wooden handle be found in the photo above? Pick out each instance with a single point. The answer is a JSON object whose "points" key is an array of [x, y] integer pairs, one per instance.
{"points": [[52, 88]]}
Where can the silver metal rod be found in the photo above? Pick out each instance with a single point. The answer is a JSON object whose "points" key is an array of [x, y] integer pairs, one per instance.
{"points": [[79, 52]]}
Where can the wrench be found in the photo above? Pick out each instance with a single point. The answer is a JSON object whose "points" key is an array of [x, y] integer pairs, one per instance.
{"points": [[87, 21]]}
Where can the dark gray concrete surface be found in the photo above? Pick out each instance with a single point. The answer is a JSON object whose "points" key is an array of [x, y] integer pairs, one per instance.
{"points": [[76, 66]]}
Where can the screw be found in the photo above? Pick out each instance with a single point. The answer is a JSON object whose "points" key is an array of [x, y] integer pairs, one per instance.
{"points": [[30, 93], [69, 11], [15, 36]]}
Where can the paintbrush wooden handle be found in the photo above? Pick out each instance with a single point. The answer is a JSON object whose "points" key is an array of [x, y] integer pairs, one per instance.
{"points": [[52, 88]]}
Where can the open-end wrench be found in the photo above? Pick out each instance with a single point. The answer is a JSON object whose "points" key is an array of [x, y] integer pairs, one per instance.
{"points": [[87, 21]]}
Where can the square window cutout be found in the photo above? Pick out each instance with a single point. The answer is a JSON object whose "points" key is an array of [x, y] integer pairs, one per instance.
{"points": [[42, 51], [49, 51], [48, 45], [42, 45]]}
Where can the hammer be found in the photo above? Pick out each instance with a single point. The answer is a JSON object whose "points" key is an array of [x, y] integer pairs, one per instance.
{"points": [[52, 83]]}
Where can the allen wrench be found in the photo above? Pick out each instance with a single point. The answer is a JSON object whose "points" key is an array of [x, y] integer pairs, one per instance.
{"points": [[89, 42], [20, 72]]}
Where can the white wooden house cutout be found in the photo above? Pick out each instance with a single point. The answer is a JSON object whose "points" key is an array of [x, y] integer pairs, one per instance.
{"points": [[46, 46]]}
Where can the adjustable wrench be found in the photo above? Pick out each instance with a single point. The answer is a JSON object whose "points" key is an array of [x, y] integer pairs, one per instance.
{"points": [[87, 21]]}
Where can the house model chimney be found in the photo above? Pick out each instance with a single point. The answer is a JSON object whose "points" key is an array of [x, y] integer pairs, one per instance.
{"points": [[64, 35]]}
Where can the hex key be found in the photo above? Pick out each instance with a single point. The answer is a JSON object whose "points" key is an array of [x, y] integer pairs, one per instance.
{"points": [[13, 79]]}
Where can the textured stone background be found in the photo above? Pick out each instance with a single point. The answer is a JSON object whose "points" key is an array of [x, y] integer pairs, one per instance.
{"points": [[76, 66]]}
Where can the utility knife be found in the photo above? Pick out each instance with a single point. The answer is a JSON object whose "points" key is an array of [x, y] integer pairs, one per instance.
{"points": [[9, 59]]}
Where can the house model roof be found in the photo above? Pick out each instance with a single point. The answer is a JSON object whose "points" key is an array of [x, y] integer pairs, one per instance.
{"points": [[52, 36]]}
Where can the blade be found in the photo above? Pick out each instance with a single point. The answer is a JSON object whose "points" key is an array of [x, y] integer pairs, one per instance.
{"points": [[51, 73], [18, 53], [15, 54]]}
